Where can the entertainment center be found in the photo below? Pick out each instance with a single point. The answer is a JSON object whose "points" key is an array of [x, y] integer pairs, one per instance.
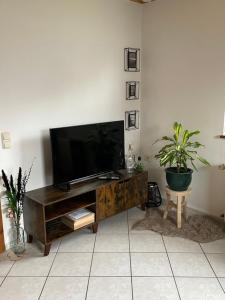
{"points": [[89, 174], [44, 207]]}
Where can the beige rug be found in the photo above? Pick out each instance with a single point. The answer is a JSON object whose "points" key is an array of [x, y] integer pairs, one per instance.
{"points": [[199, 228]]}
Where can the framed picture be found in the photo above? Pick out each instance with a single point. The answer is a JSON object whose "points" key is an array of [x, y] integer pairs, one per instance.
{"points": [[132, 119], [132, 90], [132, 59]]}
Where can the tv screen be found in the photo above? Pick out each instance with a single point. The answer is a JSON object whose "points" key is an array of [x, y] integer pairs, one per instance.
{"points": [[87, 150]]}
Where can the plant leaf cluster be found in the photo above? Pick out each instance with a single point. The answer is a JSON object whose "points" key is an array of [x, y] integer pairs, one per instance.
{"points": [[180, 149], [15, 193]]}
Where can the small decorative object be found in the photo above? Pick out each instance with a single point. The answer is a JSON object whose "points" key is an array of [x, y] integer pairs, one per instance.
{"points": [[15, 194], [132, 59], [130, 161], [132, 119], [139, 166], [177, 153], [132, 90]]}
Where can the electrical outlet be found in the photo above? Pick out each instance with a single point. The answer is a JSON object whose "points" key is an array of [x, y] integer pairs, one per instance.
{"points": [[6, 140]]}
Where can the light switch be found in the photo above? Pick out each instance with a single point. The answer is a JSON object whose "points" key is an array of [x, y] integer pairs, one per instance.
{"points": [[6, 140]]}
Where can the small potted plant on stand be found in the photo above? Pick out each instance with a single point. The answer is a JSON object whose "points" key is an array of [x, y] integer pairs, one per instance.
{"points": [[177, 153], [15, 194]]}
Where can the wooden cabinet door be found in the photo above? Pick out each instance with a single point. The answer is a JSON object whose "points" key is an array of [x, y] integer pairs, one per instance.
{"points": [[136, 190], [100, 204], [110, 200], [142, 187]]}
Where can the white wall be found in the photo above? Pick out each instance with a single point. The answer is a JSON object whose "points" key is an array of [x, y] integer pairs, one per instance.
{"points": [[61, 64], [183, 79]]}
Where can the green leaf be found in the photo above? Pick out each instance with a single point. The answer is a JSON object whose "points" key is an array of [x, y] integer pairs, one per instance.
{"points": [[194, 166], [203, 160], [196, 132], [179, 151], [185, 137], [177, 129]]}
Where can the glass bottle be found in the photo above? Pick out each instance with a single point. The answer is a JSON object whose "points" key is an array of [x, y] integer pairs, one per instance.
{"points": [[130, 160]]}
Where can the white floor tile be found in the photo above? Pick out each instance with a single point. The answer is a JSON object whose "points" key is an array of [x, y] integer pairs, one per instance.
{"points": [[32, 266], [37, 247], [190, 264], [146, 242], [217, 262], [111, 264], [60, 288], [109, 288], [175, 244], [214, 247], [55, 246], [155, 288], [21, 288], [150, 264], [132, 221], [222, 282], [1, 279], [118, 242], [79, 241], [136, 213], [200, 289], [5, 265], [115, 224], [71, 264]]}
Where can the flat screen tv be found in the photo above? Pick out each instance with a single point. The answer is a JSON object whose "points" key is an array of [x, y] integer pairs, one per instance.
{"points": [[81, 152]]}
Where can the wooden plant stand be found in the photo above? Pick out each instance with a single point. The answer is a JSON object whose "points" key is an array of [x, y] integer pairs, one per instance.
{"points": [[44, 207], [180, 205]]}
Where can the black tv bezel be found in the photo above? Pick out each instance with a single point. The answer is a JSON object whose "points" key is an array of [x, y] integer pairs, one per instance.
{"points": [[89, 177]]}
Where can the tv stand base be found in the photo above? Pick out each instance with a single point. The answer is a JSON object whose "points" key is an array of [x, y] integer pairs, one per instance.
{"points": [[45, 207]]}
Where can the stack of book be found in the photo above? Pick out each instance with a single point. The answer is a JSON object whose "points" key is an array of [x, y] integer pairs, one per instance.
{"points": [[79, 218]]}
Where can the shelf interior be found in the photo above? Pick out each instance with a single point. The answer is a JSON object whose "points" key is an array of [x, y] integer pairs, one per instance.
{"points": [[56, 229], [60, 209]]}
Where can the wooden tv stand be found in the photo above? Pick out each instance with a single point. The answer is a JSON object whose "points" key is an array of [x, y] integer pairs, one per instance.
{"points": [[44, 207]]}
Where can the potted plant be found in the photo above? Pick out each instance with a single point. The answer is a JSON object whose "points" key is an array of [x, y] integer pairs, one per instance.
{"points": [[15, 194], [177, 153]]}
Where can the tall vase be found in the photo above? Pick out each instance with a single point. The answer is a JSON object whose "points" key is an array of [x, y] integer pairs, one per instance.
{"points": [[17, 239]]}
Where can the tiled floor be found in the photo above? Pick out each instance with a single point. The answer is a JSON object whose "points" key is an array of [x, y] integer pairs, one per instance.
{"points": [[117, 263]]}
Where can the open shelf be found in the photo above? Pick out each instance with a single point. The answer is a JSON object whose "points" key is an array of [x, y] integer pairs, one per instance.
{"points": [[56, 229], [45, 208], [60, 209]]}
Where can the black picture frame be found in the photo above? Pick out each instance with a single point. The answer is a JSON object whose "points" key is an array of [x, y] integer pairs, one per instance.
{"points": [[132, 120], [132, 90], [132, 59]]}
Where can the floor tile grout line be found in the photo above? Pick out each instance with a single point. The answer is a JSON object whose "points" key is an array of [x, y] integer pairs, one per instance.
{"points": [[131, 277], [86, 294], [171, 268], [49, 269], [7, 273], [212, 268], [169, 252], [114, 276]]}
